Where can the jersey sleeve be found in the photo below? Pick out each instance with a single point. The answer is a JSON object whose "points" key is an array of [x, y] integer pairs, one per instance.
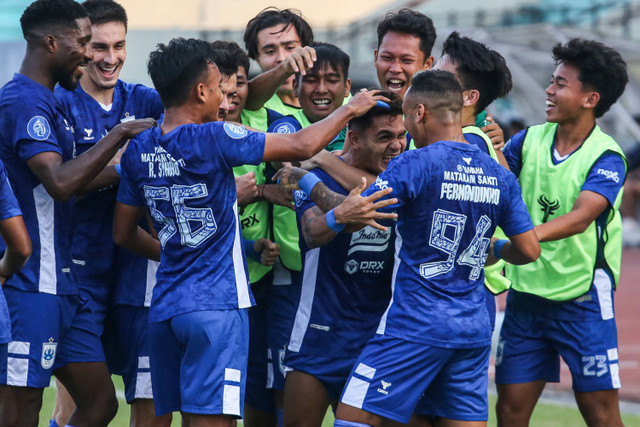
{"points": [[35, 130], [400, 176], [8, 203], [513, 152], [477, 141], [238, 145], [128, 194], [152, 102], [286, 125], [606, 177], [514, 216]]}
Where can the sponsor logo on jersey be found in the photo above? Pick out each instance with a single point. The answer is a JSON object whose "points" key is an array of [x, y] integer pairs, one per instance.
{"points": [[385, 387], [48, 353], [88, 132], [467, 160], [547, 206], [299, 196], [285, 127], [38, 128], [351, 266], [248, 221], [381, 184], [369, 239], [610, 175], [235, 131]]}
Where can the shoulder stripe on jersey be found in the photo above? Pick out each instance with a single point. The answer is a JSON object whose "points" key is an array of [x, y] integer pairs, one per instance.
{"points": [[242, 284], [396, 265], [301, 322], [44, 204]]}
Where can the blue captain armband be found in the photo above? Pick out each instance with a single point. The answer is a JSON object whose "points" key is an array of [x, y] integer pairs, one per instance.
{"points": [[497, 248], [307, 182]]}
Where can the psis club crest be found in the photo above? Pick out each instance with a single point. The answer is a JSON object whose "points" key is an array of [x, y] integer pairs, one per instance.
{"points": [[48, 353]]}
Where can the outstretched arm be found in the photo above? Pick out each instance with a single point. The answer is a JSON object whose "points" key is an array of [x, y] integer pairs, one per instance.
{"points": [[64, 179], [520, 249], [346, 175]]}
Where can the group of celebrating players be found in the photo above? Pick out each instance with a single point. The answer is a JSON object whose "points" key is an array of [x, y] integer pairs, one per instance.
{"points": [[166, 236]]}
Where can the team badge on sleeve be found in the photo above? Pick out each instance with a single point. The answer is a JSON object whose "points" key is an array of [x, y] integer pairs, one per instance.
{"points": [[285, 128], [48, 354], [299, 196], [381, 183], [38, 128], [235, 131]]}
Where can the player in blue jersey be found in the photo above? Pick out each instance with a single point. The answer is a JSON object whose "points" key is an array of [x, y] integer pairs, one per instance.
{"points": [[571, 175], [36, 145], [435, 336], [182, 173], [104, 275], [346, 278]]}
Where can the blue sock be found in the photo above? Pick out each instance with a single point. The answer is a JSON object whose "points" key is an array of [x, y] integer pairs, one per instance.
{"points": [[342, 423], [52, 423], [280, 415]]}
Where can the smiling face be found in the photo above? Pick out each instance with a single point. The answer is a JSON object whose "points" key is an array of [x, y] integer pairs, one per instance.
{"points": [[228, 89], [108, 46], [239, 97], [567, 98], [397, 59], [72, 54], [322, 91], [380, 143], [275, 44]]}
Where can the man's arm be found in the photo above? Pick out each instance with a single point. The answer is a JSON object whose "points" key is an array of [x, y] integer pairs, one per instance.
{"points": [[128, 234], [64, 179], [520, 249], [588, 206], [15, 236], [314, 228], [264, 86], [310, 140]]}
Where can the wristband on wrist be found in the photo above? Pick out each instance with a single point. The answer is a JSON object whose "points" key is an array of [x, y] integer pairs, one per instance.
{"points": [[307, 182], [497, 248], [331, 222], [118, 169]]}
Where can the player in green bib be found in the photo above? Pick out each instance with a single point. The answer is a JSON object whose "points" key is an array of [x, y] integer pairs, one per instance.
{"points": [[571, 175]]}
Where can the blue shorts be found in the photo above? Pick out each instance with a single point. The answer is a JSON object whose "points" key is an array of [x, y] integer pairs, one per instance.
{"points": [[47, 333], [282, 305], [127, 348], [530, 347], [332, 372], [391, 375], [199, 362]]}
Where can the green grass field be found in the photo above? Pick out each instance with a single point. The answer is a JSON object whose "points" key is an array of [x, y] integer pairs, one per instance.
{"points": [[544, 415]]}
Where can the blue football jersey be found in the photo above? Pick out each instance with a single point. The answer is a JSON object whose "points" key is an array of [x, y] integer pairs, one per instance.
{"points": [[9, 208], [94, 253], [346, 286], [450, 197], [31, 122], [186, 179]]}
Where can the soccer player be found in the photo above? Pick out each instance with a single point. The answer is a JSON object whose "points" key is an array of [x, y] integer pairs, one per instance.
{"points": [[182, 173], [571, 175], [36, 145], [435, 336], [346, 278], [104, 275], [270, 38]]}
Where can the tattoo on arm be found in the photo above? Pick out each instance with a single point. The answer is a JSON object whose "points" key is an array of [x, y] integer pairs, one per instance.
{"points": [[325, 198]]}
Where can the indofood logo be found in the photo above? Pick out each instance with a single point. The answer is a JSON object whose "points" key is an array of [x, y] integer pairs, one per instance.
{"points": [[548, 207]]}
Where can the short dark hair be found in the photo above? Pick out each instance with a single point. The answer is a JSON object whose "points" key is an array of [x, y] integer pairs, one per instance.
{"points": [[600, 67], [332, 55], [270, 17], [49, 14], [237, 56], [437, 89], [479, 68], [395, 109], [104, 11], [411, 22], [177, 66]]}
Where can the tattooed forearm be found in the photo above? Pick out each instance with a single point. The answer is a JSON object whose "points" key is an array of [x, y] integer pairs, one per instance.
{"points": [[325, 198]]}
